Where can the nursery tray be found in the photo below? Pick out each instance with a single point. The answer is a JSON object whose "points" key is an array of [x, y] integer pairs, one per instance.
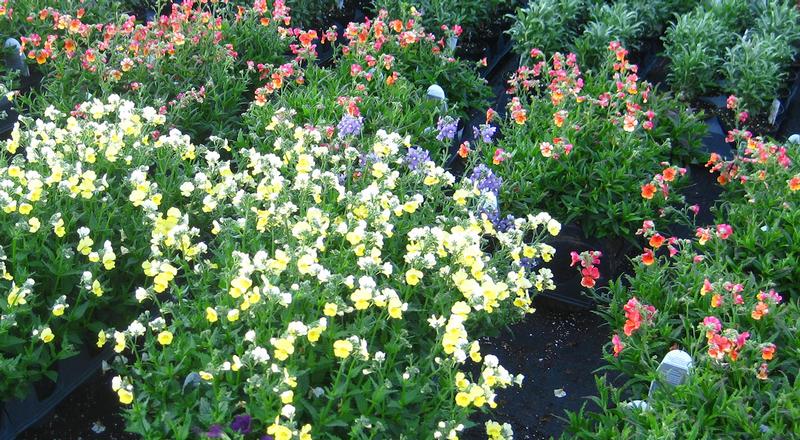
{"points": [[17, 415]]}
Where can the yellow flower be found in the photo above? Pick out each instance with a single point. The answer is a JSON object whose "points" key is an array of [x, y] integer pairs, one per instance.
{"points": [[97, 289], [25, 208], [283, 348], [233, 315], [58, 228], [279, 432], [101, 338], [413, 276], [206, 376], [46, 335], [239, 285], [330, 309], [342, 348], [314, 334], [58, 309], [460, 308], [463, 399], [125, 396], [165, 337], [119, 339], [211, 314], [553, 227], [287, 397], [395, 308]]}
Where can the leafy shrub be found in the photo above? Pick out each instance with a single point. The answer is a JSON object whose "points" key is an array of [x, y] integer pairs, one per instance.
{"points": [[735, 15], [614, 22], [755, 70], [547, 25], [779, 18], [694, 46]]}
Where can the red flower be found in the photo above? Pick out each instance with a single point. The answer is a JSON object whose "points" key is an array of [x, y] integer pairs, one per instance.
{"points": [[463, 150]]}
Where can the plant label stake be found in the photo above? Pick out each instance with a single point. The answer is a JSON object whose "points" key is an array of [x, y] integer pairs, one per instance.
{"points": [[14, 60], [673, 370], [436, 92]]}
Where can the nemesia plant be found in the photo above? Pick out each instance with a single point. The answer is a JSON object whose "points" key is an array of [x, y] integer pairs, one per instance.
{"points": [[72, 233], [761, 185], [734, 328], [345, 283], [581, 145], [185, 62]]}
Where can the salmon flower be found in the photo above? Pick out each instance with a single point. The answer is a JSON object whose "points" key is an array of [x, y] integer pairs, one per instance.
{"points": [[648, 257], [794, 183], [768, 351]]}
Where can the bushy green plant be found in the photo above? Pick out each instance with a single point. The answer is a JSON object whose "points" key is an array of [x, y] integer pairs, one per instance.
{"points": [[583, 146], [547, 25], [610, 22], [754, 70], [694, 45], [780, 18], [735, 15]]}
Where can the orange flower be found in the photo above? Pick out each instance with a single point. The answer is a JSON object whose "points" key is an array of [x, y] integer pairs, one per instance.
{"points": [[768, 352], [762, 372], [648, 191], [707, 287], [558, 117], [41, 57], [648, 257], [397, 25], [463, 150], [794, 183], [669, 174], [716, 300], [656, 240], [69, 46]]}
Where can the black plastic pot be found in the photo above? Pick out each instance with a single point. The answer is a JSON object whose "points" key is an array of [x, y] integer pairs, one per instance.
{"points": [[714, 140], [18, 415], [569, 294]]}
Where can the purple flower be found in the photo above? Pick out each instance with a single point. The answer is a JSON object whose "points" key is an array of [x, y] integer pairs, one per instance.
{"points": [[416, 156], [266, 437], [241, 423], [350, 126], [485, 132], [486, 180], [447, 127], [215, 431], [502, 224], [528, 263]]}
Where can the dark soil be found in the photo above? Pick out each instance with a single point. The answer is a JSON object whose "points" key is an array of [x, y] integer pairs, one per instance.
{"points": [[93, 404], [554, 350]]}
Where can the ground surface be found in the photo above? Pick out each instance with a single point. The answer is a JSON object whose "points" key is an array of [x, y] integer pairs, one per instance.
{"points": [[92, 405], [554, 350]]}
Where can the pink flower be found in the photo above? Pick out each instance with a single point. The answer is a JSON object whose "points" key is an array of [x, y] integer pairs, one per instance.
{"points": [[732, 102], [618, 345], [724, 231], [499, 156]]}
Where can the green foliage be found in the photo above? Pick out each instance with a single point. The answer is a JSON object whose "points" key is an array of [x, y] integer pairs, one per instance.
{"points": [[547, 25], [694, 45], [755, 69], [610, 22], [470, 14]]}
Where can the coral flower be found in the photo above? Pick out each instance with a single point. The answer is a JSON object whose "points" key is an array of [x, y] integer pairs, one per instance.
{"points": [[669, 174], [648, 191], [768, 351]]}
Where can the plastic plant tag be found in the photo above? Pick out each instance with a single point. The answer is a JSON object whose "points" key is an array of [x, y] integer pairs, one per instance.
{"points": [[673, 370], [452, 42], [436, 92], [773, 111], [14, 59]]}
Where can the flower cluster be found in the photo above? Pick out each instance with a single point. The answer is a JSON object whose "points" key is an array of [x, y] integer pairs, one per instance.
{"points": [[588, 266]]}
